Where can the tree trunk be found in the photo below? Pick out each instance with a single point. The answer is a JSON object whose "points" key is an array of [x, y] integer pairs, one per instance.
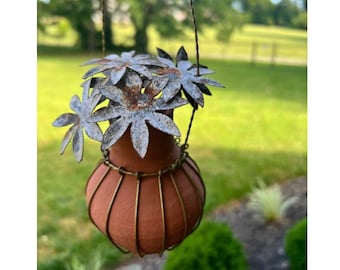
{"points": [[141, 39], [86, 36]]}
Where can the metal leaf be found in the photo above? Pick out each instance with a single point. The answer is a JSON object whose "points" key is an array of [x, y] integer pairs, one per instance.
{"points": [[164, 54], [163, 123], [117, 73], [78, 144], [67, 137], [65, 119], [181, 55], [140, 137], [114, 132], [93, 131]]}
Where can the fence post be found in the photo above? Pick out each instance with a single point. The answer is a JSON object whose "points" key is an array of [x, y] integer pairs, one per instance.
{"points": [[253, 52]]}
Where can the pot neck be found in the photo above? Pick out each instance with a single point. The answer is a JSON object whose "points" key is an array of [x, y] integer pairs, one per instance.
{"points": [[161, 153]]}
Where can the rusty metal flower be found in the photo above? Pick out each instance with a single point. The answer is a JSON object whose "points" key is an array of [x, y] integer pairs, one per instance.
{"points": [[117, 65], [79, 121], [133, 107], [183, 75]]}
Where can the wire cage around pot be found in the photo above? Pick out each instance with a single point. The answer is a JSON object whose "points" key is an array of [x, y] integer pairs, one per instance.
{"points": [[141, 208]]}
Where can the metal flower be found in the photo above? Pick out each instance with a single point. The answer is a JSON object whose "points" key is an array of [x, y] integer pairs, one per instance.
{"points": [[79, 119], [119, 64], [133, 107], [183, 75]]}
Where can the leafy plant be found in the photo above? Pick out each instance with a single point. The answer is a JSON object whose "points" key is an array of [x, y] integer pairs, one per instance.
{"points": [[211, 246], [269, 202], [296, 245]]}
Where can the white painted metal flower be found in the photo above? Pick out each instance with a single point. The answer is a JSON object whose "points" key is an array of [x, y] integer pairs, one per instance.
{"points": [[183, 75], [133, 107], [118, 65], [79, 121]]}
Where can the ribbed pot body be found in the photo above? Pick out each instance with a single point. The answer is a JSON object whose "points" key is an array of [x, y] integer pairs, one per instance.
{"points": [[149, 209]]}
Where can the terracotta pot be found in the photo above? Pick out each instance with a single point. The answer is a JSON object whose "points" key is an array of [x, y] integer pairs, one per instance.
{"points": [[147, 205]]}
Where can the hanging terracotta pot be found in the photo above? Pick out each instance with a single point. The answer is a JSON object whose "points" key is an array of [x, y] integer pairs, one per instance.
{"points": [[146, 205]]}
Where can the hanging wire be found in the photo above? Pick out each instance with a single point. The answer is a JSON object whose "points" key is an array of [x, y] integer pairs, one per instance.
{"points": [[185, 145], [103, 28], [196, 36]]}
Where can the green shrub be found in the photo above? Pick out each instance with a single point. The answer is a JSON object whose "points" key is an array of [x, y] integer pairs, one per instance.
{"points": [[296, 245], [211, 246]]}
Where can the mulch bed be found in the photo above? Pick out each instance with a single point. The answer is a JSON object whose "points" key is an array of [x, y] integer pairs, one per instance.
{"points": [[263, 242]]}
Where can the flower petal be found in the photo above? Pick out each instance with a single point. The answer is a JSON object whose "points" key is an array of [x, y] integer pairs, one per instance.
{"points": [[193, 90], [164, 54], [166, 61], [93, 131], [78, 144], [75, 104], [114, 132], [65, 119], [163, 123], [203, 80], [184, 66], [96, 70], [142, 70], [171, 89], [181, 55], [106, 113], [140, 137], [161, 104], [113, 93], [67, 138], [86, 89], [126, 55], [156, 85], [117, 73]]}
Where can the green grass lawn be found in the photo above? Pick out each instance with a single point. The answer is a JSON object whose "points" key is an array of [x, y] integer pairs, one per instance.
{"points": [[255, 128], [291, 44]]}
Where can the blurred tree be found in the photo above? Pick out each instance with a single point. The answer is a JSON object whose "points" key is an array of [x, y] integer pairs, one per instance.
{"points": [[171, 17], [285, 12], [259, 11], [79, 13]]}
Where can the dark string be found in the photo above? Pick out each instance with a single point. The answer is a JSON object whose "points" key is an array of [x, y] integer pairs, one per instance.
{"points": [[198, 70]]}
